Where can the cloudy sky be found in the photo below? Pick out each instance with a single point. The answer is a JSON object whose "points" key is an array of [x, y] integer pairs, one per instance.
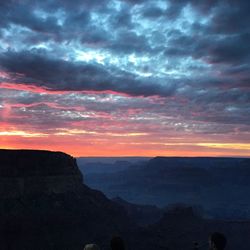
{"points": [[126, 77]]}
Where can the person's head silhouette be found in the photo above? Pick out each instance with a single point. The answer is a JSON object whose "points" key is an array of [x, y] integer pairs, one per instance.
{"points": [[217, 241], [117, 243]]}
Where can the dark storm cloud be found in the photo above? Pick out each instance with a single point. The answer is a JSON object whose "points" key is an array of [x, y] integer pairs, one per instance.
{"points": [[14, 13], [36, 68], [197, 51], [121, 18], [49, 20], [135, 1], [230, 50], [153, 12], [223, 39], [77, 25], [129, 42], [231, 17]]}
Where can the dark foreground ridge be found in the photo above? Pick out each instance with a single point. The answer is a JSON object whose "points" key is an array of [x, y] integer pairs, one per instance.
{"points": [[33, 172], [45, 205], [43, 201]]}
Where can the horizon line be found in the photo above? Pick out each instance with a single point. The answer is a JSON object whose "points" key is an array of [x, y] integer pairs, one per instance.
{"points": [[133, 156]]}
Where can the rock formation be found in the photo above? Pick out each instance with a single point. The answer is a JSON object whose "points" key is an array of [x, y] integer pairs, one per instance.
{"points": [[45, 205], [31, 172], [42, 195]]}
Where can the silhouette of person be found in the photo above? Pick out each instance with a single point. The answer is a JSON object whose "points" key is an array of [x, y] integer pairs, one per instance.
{"points": [[117, 243], [196, 246], [91, 247], [217, 241]]}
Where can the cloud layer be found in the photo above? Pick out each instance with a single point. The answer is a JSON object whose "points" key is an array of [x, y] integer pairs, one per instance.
{"points": [[139, 74]]}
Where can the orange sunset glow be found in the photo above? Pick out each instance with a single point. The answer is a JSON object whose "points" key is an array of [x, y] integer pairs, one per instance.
{"points": [[62, 121], [134, 84], [127, 133]]}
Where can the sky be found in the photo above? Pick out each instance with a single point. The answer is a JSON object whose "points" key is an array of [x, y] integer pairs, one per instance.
{"points": [[126, 78]]}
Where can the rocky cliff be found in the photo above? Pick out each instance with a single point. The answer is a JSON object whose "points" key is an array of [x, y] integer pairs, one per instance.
{"points": [[42, 196], [45, 205], [31, 172]]}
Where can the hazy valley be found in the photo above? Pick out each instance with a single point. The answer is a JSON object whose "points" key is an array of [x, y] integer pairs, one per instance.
{"points": [[217, 187]]}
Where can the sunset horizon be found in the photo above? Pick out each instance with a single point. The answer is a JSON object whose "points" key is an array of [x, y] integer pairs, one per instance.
{"points": [[181, 154], [129, 78]]}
